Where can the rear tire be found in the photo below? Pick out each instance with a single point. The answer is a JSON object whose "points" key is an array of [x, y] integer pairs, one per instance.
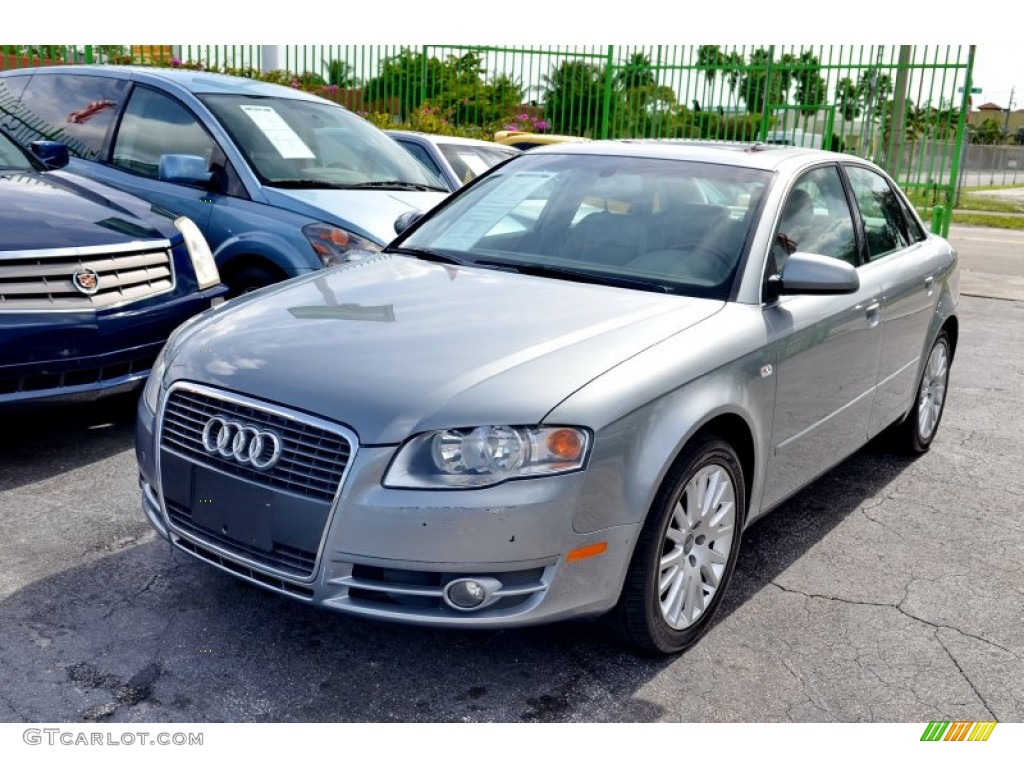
{"points": [[686, 552], [915, 434]]}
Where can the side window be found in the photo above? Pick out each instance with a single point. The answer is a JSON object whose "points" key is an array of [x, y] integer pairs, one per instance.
{"points": [[885, 226], [155, 125], [78, 110], [815, 218], [422, 155]]}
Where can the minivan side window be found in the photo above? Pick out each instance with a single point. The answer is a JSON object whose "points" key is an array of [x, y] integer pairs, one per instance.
{"points": [[77, 110], [155, 125]]}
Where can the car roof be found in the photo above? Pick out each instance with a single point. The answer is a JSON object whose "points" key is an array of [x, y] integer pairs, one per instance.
{"points": [[193, 80], [441, 139], [747, 154]]}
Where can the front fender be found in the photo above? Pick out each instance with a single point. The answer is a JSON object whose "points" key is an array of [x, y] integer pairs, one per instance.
{"points": [[292, 255]]}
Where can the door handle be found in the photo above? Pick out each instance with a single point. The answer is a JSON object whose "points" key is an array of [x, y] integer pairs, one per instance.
{"points": [[929, 284], [873, 313]]}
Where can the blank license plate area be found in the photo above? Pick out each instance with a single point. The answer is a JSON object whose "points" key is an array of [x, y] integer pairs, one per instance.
{"points": [[232, 509]]}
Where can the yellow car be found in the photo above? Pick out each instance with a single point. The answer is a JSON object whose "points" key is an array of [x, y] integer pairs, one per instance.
{"points": [[525, 140]]}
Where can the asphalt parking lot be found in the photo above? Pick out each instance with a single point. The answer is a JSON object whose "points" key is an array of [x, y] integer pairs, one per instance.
{"points": [[891, 590]]}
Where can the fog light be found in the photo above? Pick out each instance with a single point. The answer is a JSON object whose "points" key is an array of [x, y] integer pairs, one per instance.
{"points": [[470, 594]]}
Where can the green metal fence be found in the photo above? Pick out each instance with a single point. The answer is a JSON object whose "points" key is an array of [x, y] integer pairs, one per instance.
{"points": [[902, 106]]}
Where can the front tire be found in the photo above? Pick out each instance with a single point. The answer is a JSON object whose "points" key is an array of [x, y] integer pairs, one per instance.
{"points": [[686, 552], [917, 431]]}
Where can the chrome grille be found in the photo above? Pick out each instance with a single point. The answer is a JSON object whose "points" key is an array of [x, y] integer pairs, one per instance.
{"points": [[42, 280], [312, 461]]}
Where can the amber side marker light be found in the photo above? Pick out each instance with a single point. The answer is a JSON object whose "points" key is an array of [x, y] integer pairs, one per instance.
{"points": [[565, 444], [591, 550]]}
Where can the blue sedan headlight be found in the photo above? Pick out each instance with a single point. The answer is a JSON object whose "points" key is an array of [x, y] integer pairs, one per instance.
{"points": [[476, 457]]}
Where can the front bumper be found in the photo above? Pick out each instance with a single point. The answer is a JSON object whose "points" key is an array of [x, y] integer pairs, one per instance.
{"points": [[388, 553], [75, 357]]}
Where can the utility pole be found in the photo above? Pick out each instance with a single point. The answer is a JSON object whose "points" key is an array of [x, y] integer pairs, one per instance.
{"points": [[1009, 109]]}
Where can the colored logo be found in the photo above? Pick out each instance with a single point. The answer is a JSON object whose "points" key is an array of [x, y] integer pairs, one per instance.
{"points": [[959, 730], [86, 280]]}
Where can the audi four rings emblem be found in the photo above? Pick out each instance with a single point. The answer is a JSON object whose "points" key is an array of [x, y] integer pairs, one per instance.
{"points": [[244, 443]]}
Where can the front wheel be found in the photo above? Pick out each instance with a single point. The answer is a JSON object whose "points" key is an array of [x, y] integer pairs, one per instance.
{"points": [[917, 431], [686, 552]]}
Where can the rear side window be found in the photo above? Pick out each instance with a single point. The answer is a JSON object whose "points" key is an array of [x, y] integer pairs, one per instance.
{"points": [[155, 125], [885, 225], [77, 110]]}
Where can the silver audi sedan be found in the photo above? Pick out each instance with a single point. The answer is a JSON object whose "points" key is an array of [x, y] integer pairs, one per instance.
{"points": [[565, 392]]}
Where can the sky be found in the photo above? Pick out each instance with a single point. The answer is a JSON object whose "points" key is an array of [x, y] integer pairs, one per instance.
{"points": [[999, 72]]}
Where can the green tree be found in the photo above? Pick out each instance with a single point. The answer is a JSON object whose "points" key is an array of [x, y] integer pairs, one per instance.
{"points": [[574, 97], [638, 73], [766, 82], [811, 89], [341, 74], [989, 132], [410, 77]]}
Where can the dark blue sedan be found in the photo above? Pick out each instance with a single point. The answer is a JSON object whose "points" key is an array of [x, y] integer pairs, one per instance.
{"points": [[92, 280]]}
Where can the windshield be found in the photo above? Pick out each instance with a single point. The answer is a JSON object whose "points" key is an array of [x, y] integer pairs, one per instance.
{"points": [[661, 224], [12, 158], [293, 142]]}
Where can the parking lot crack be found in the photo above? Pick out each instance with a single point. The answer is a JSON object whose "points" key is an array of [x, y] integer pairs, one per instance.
{"points": [[966, 678]]}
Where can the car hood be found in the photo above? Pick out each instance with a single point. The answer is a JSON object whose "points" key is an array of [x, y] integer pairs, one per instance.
{"points": [[393, 346], [46, 210], [370, 213]]}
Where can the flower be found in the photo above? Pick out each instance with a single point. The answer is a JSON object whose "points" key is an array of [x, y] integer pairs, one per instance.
{"points": [[175, 61]]}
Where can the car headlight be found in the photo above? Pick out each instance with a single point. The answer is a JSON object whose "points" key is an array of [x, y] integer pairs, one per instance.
{"points": [[334, 245], [155, 382], [480, 456], [199, 251]]}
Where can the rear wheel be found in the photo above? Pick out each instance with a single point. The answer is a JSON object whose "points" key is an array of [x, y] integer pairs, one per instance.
{"points": [[686, 552], [917, 431]]}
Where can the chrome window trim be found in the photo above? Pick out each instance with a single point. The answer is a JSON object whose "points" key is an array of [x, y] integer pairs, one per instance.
{"points": [[288, 413]]}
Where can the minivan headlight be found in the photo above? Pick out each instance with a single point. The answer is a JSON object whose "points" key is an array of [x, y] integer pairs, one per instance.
{"points": [[334, 245], [476, 457], [199, 251]]}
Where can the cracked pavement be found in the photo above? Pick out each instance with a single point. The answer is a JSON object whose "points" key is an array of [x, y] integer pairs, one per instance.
{"points": [[891, 590]]}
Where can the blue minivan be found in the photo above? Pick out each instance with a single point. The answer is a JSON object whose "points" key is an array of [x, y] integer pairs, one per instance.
{"points": [[280, 182]]}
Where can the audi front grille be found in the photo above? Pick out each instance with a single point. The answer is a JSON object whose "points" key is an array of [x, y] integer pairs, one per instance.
{"points": [[312, 459]]}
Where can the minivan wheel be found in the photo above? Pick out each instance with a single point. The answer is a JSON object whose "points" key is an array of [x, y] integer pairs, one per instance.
{"points": [[917, 431], [249, 279], [686, 552]]}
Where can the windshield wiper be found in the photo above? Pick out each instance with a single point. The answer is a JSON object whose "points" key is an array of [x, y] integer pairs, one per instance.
{"points": [[428, 255], [578, 275], [306, 184], [395, 184]]}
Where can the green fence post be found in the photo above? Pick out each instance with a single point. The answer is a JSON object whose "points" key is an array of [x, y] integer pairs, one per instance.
{"points": [[961, 123], [938, 219], [606, 109], [88, 54], [767, 93]]}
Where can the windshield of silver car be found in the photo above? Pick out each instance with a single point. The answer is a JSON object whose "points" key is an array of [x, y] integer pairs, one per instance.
{"points": [[657, 224]]}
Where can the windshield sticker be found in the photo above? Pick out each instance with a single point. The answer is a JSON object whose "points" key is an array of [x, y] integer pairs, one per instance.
{"points": [[285, 140], [476, 221]]}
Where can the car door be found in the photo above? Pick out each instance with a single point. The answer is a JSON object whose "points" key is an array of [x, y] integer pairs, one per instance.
{"points": [[905, 267], [827, 347], [155, 124]]}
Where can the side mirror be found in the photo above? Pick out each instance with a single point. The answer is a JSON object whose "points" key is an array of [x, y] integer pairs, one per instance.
{"points": [[406, 220], [810, 273], [184, 169], [52, 154]]}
